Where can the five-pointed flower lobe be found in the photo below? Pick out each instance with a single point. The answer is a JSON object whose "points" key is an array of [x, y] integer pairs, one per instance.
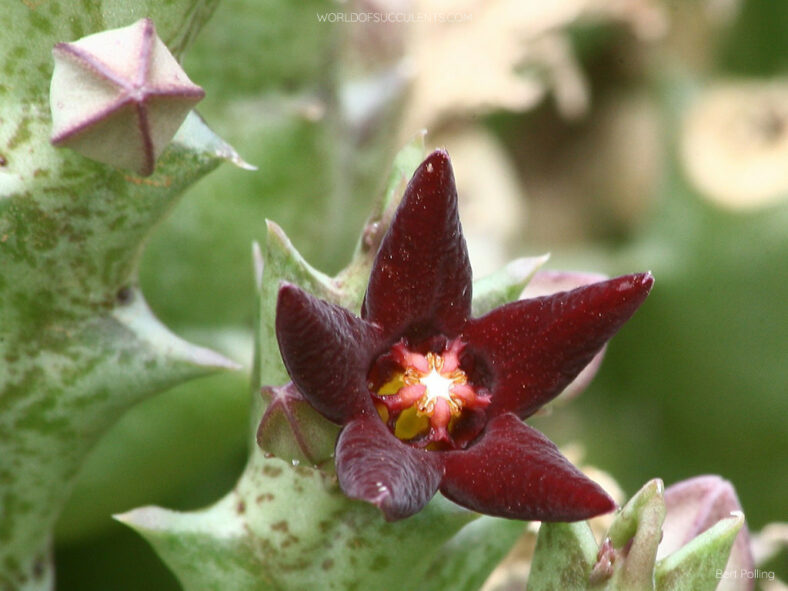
{"points": [[430, 398]]}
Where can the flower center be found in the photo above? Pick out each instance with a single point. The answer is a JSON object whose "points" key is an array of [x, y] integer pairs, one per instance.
{"points": [[422, 398], [436, 386]]}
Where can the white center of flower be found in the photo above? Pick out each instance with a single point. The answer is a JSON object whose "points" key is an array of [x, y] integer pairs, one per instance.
{"points": [[421, 403], [437, 387]]}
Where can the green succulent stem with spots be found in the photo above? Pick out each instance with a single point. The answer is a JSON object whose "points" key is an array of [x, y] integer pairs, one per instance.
{"points": [[78, 344]]}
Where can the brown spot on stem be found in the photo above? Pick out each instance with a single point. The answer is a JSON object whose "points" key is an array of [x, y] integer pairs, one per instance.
{"points": [[280, 526], [163, 182], [355, 542], [272, 471], [124, 295]]}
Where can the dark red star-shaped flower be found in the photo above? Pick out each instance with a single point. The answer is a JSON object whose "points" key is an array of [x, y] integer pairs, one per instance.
{"points": [[431, 399]]}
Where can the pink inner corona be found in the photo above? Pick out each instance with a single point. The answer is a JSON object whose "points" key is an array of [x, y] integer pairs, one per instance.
{"points": [[423, 396]]}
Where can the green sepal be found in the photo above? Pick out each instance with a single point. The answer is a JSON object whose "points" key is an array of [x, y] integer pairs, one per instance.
{"points": [[564, 556], [699, 565], [635, 534]]}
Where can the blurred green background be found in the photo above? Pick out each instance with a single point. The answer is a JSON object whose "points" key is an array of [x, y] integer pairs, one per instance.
{"points": [[646, 135]]}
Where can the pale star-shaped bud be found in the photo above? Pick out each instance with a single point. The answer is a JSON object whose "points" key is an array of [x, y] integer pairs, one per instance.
{"points": [[119, 96], [695, 505]]}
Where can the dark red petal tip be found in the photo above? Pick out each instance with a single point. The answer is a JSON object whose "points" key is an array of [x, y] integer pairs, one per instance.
{"points": [[373, 466], [536, 347], [637, 282], [421, 274], [327, 352], [514, 471], [438, 157]]}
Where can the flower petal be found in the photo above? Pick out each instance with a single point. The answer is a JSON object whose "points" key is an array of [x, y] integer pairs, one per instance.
{"points": [[421, 278], [547, 283], [535, 348], [327, 352], [514, 471], [376, 467]]}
